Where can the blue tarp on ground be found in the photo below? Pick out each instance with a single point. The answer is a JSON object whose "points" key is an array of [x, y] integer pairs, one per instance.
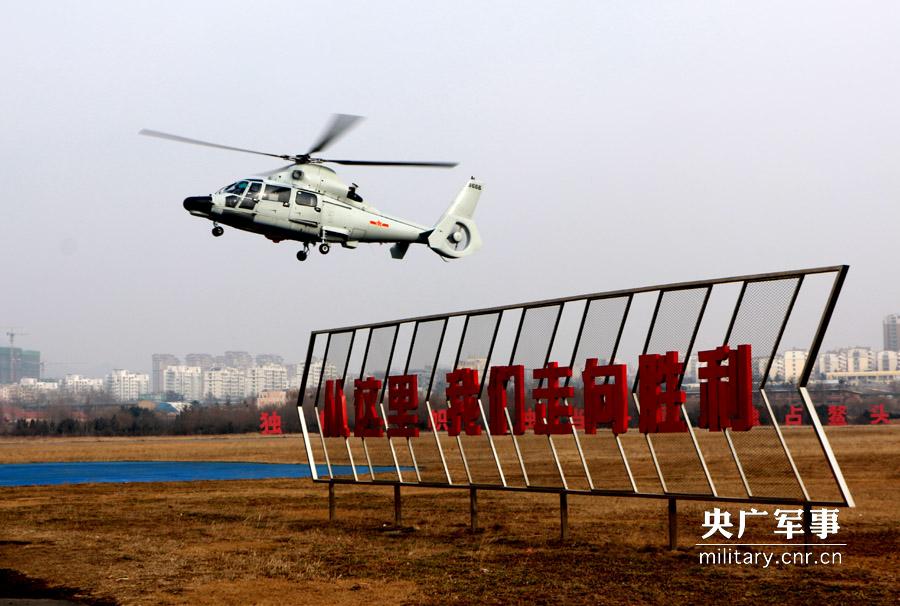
{"points": [[45, 474]]}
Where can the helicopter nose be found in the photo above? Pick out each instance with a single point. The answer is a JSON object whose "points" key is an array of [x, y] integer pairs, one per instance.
{"points": [[202, 204]]}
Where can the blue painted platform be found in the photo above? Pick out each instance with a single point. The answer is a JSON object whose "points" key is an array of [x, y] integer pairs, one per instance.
{"points": [[48, 474]]}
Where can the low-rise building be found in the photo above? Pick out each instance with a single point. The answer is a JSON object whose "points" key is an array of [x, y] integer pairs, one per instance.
{"points": [[268, 398], [79, 384]]}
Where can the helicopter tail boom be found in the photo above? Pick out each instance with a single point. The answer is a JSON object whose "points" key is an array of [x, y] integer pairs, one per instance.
{"points": [[455, 234]]}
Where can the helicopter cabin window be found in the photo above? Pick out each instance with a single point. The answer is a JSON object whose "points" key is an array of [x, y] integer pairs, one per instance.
{"points": [[252, 196], [304, 198], [277, 193]]}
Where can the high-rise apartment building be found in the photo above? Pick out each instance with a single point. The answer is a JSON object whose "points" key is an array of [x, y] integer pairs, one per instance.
{"points": [[160, 363], [794, 362], [238, 359], [186, 381], [203, 360], [17, 364], [127, 386], [224, 384], [263, 359], [892, 332], [270, 376]]}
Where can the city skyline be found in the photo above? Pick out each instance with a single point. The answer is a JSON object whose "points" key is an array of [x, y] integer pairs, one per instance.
{"points": [[889, 342], [632, 147]]}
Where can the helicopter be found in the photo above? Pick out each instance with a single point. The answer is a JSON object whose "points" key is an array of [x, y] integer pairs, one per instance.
{"points": [[305, 201]]}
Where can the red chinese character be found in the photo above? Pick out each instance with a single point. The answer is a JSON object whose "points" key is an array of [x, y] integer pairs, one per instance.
{"points": [[334, 417], [794, 416], [660, 410], [606, 402], [462, 402], [498, 399], [403, 400], [550, 404], [837, 415], [368, 423], [877, 414], [270, 423], [440, 421], [726, 392]]}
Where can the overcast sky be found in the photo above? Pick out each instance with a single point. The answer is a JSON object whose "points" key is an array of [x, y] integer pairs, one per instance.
{"points": [[621, 143]]}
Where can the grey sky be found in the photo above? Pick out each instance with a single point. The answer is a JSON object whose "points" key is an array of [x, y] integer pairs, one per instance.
{"points": [[621, 144]]}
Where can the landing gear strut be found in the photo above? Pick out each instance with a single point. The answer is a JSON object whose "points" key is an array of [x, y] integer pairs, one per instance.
{"points": [[217, 231], [324, 248]]}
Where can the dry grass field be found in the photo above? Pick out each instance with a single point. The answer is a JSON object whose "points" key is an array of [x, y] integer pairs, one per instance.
{"points": [[270, 542]]}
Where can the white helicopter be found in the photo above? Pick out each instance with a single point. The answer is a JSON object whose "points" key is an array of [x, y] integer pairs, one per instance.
{"points": [[307, 202]]}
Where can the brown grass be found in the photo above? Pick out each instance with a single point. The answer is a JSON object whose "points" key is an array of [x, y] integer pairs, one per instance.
{"points": [[269, 542]]}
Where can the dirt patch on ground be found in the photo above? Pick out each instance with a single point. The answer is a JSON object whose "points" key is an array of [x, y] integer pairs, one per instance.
{"points": [[270, 542]]}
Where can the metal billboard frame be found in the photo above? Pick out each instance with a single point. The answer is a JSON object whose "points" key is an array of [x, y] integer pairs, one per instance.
{"points": [[805, 501]]}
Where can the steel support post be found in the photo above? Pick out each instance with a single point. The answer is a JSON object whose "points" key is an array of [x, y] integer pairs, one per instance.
{"points": [[473, 510], [673, 524], [331, 501], [398, 512], [563, 516]]}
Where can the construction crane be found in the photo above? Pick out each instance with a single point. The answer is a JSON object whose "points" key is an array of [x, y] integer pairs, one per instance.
{"points": [[12, 334]]}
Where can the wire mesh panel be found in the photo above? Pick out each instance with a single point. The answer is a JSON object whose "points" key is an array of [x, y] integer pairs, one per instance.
{"points": [[541, 444], [531, 350], [677, 320], [602, 325], [375, 364], [759, 320]]}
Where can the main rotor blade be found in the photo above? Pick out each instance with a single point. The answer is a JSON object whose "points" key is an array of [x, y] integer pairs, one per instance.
{"points": [[275, 171], [376, 163], [340, 123], [180, 139]]}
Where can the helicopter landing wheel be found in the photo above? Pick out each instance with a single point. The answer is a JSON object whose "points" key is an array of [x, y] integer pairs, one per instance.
{"points": [[301, 255], [217, 231], [324, 248]]}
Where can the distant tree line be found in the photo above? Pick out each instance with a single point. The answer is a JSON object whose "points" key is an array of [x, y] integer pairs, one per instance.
{"points": [[196, 419]]}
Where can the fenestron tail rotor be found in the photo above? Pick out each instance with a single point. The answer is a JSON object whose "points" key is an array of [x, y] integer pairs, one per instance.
{"points": [[339, 125]]}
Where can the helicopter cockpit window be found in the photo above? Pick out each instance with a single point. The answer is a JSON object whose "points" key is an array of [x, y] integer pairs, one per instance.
{"points": [[277, 193], [252, 196], [236, 188], [305, 198]]}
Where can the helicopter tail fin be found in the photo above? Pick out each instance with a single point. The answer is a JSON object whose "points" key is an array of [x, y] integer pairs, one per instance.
{"points": [[455, 234]]}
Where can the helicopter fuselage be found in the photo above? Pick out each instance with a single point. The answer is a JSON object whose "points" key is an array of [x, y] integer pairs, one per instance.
{"points": [[307, 204]]}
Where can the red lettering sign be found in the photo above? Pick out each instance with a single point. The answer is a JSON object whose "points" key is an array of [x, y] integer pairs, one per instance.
{"points": [[794, 416], [878, 415], [498, 399], [660, 409], [837, 415], [335, 414], [440, 421], [368, 422], [270, 423], [550, 400], [462, 402], [726, 391], [403, 401], [605, 403]]}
